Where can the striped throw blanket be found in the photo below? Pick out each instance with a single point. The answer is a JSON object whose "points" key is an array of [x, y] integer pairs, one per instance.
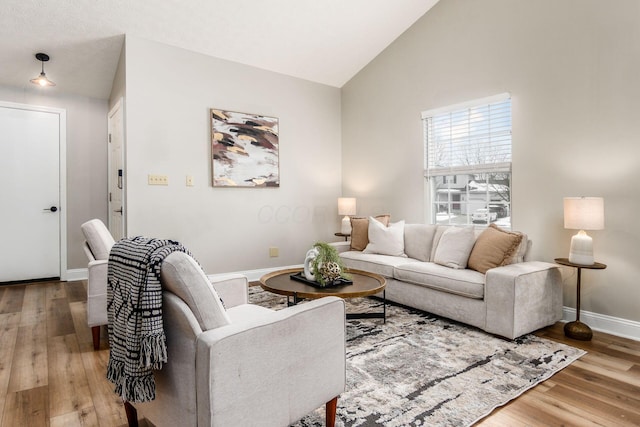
{"points": [[134, 310]]}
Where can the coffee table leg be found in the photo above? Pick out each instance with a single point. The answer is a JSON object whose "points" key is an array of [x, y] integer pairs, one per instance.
{"points": [[384, 305], [373, 315], [296, 300]]}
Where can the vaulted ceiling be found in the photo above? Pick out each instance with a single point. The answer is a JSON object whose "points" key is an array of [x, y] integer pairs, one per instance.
{"points": [[326, 41]]}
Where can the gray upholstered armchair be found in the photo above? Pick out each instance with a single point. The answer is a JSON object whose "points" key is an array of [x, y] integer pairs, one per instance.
{"points": [[98, 243], [244, 365]]}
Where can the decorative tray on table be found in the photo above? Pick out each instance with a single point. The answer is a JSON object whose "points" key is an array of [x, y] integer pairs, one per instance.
{"points": [[338, 282]]}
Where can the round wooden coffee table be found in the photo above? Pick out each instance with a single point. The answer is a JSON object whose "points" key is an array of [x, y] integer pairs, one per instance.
{"points": [[364, 284]]}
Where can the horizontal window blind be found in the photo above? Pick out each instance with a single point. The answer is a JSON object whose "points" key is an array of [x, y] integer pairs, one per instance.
{"points": [[469, 138]]}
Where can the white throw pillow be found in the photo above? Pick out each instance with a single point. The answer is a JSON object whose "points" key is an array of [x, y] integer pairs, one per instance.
{"points": [[385, 240], [454, 247]]}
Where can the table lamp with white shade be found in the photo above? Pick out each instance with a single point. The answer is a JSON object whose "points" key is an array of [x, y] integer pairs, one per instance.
{"points": [[346, 207], [583, 213]]}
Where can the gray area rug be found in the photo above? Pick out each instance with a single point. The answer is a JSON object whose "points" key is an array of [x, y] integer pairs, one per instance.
{"points": [[422, 370]]}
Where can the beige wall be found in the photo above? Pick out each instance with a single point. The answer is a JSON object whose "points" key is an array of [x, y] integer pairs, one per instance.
{"points": [[86, 159], [169, 92], [118, 89], [572, 68]]}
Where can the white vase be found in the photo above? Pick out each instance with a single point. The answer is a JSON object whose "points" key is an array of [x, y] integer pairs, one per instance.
{"points": [[311, 255]]}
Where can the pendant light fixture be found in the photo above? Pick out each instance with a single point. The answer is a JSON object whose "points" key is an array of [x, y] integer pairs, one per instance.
{"points": [[42, 79]]}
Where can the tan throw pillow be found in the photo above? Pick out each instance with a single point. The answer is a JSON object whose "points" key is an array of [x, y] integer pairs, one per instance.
{"points": [[494, 247], [523, 247], [360, 231]]}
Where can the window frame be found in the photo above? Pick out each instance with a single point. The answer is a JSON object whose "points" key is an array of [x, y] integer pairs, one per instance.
{"points": [[492, 143]]}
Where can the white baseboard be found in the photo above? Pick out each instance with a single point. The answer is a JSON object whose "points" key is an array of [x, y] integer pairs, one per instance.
{"points": [[77, 274], [603, 323], [255, 275]]}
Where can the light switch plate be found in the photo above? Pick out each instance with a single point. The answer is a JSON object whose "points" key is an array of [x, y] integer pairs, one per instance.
{"points": [[157, 179]]}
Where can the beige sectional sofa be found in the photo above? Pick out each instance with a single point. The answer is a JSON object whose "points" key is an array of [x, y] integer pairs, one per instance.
{"points": [[477, 277]]}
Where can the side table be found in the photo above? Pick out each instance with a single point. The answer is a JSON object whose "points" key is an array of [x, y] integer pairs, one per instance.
{"points": [[346, 236], [576, 329]]}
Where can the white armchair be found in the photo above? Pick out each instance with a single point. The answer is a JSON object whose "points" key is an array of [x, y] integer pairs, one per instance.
{"points": [[246, 365], [98, 243]]}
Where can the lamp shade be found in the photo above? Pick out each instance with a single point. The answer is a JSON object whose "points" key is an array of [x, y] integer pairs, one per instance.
{"points": [[584, 213], [42, 79], [346, 206]]}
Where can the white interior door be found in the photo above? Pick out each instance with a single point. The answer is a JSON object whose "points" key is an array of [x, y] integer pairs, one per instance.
{"points": [[116, 172], [30, 153]]}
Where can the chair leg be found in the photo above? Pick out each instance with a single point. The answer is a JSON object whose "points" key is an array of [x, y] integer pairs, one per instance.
{"points": [[132, 414], [332, 407], [95, 331]]}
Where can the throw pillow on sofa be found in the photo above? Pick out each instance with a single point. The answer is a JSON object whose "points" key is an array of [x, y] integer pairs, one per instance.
{"points": [[418, 241], [360, 231], [385, 240], [494, 247], [454, 247]]}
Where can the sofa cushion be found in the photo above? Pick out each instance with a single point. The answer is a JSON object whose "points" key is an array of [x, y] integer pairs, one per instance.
{"points": [[373, 263], [454, 247], [385, 240], [440, 229], [465, 282], [418, 240], [360, 231], [247, 313], [493, 248], [182, 276]]}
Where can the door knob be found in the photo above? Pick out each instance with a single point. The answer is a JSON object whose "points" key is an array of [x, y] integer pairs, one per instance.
{"points": [[52, 209], [118, 210]]}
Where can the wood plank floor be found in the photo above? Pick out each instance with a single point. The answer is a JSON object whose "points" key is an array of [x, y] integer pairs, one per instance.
{"points": [[50, 375]]}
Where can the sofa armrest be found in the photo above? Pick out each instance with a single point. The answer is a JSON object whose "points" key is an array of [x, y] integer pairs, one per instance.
{"points": [[87, 251], [97, 293], [522, 297], [282, 364], [233, 289], [97, 283], [341, 246]]}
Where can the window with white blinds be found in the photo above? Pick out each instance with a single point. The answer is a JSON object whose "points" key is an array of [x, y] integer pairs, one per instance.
{"points": [[468, 161], [469, 137]]}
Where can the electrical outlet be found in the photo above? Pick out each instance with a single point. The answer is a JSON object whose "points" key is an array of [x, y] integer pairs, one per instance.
{"points": [[274, 252], [189, 181], [157, 179]]}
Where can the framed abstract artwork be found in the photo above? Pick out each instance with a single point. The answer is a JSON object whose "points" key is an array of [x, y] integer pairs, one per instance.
{"points": [[244, 150]]}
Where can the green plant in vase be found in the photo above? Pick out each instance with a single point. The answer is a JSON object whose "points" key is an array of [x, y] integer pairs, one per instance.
{"points": [[327, 265]]}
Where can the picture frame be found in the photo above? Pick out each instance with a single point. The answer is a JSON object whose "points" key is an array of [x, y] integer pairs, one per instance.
{"points": [[244, 149]]}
